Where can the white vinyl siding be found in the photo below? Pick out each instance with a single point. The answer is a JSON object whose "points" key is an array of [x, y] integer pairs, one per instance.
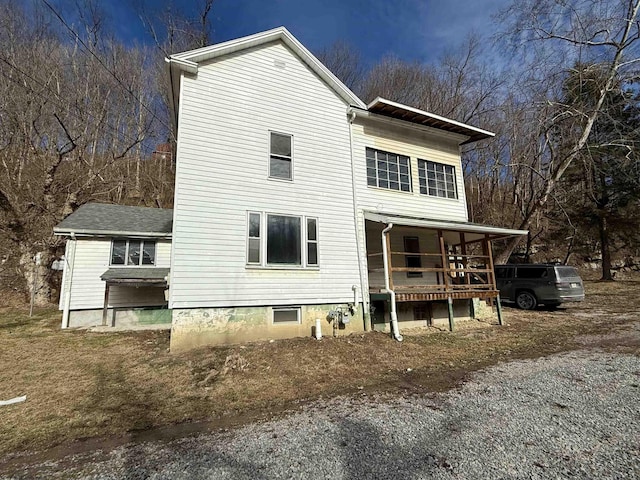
{"points": [[226, 112], [92, 258]]}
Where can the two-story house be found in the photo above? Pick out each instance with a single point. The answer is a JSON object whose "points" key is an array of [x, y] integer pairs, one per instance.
{"points": [[297, 202]]}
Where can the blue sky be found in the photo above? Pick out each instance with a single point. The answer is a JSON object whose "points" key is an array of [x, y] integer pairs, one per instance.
{"points": [[418, 30]]}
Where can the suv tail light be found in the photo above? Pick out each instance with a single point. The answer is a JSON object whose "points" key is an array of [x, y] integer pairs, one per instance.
{"points": [[563, 285]]}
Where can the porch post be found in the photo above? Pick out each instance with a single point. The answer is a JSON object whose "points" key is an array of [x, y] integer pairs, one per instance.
{"points": [[450, 311], [105, 308], [486, 246], [463, 248], [445, 262]]}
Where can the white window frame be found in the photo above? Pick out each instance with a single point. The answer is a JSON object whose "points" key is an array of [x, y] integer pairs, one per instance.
{"points": [[423, 169], [379, 182], [296, 309], [126, 252], [304, 242], [281, 157]]}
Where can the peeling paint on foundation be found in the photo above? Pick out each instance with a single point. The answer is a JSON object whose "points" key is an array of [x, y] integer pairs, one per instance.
{"points": [[197, 327]]}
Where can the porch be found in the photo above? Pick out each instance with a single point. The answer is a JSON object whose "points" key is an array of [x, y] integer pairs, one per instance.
{"points": [[422, 260]]}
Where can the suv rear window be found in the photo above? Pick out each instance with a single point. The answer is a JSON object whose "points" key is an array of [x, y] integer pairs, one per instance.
{"points": [[532, 272], [566, 272]]}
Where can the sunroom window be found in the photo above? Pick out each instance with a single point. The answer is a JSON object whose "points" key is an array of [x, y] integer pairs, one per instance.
{"points": [[388, 170], [437, 179]]}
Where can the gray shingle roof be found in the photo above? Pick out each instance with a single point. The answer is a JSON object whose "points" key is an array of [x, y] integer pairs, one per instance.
{"points": [[129, 273], [105, 219]]}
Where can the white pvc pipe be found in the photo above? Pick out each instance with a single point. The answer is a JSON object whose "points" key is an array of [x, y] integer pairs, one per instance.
{"points": [[318, 331], [387, 288], [69, 261]]}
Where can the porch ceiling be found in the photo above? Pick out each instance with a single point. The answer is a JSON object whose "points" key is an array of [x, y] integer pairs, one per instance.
{"points": [[473, 231]]}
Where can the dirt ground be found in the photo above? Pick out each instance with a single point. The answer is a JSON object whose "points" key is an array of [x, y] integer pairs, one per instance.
{"points": [[88, 390]]}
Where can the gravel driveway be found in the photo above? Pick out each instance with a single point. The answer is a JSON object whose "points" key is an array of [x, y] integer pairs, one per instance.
{"points": [[574, 415]]}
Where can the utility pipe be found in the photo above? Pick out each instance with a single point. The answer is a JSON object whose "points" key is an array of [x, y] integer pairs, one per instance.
{"points": [[366, 316], [387, 288], [69, 260]]}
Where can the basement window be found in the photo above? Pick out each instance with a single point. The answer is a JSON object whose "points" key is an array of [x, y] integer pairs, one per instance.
{"points": [[133, 252], [283, 315]]}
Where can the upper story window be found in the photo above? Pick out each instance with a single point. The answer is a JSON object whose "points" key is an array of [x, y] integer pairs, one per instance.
{"points": [[388, 170], [277, 240], [437, 179], [133, 252], [280, 156]]}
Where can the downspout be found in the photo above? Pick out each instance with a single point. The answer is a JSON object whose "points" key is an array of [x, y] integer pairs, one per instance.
{"points": [[363, 287], [70, 261], [394, 315]]}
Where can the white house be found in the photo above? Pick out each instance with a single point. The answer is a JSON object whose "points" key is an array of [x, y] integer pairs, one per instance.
{"points": [[297, 202], [117, 259]]}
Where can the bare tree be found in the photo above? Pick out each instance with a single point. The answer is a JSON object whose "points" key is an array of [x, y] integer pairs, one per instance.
{"points": [[577, 30]]}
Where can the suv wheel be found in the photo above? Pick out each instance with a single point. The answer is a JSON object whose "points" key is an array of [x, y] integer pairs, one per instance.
{"points": [[526, 301]]}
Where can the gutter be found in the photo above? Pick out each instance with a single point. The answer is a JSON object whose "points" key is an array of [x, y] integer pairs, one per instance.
{"points": [[70, 259], [395, 331], [366, 316], [111, 233]]}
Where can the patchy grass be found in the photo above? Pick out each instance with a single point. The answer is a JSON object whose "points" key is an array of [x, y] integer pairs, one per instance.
{"points": [[81, 384]]}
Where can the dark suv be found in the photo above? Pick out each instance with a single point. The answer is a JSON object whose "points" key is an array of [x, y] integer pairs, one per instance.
{"points": [[532, 285]]}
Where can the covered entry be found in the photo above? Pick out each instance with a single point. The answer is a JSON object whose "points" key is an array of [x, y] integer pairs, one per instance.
{"points": [[423, 261], [147, 284]]}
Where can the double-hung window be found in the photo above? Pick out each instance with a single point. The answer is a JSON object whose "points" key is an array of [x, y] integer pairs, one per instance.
{"points": [[388, 170], [133, 252], [437, 179], [282, 240], [280, 156]]}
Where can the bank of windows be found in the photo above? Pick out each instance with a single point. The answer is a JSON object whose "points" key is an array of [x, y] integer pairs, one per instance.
{"points": [[393, 172], [129, 252], [282, 240]]}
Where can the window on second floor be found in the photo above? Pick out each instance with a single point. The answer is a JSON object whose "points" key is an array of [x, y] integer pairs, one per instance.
{"points": [[388, 170], [437, 179], [280, 156], [133, 252]]}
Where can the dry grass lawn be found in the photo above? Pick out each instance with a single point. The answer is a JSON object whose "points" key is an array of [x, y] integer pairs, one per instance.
{"points": [[81, 384]]}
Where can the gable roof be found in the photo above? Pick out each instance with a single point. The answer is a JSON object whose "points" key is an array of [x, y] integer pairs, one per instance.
{"points": [[117, 220], [188, 61]]}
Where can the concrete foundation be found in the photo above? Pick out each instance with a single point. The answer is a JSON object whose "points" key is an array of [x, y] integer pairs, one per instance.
{"points": [[122, 317], [198, 327]]}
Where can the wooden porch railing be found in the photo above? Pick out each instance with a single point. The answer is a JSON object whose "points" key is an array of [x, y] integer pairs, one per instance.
{"points": [[452, 281]]}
